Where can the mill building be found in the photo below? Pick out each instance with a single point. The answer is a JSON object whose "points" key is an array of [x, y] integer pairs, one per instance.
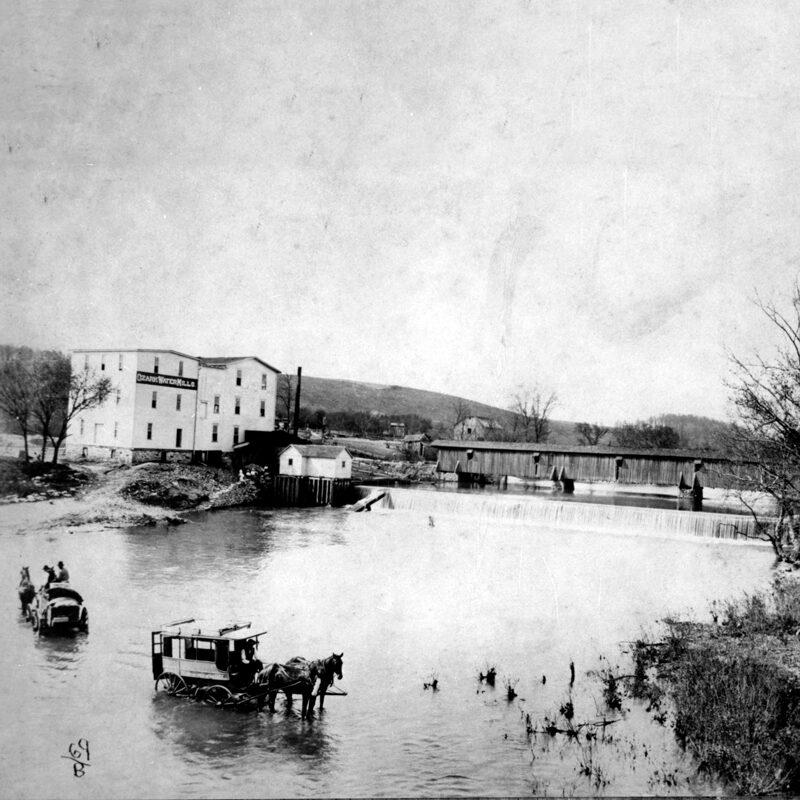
{"points": [[169, 406]]}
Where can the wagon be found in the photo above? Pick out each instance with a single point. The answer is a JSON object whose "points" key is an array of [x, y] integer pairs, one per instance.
{"points": [[210, 662], [58, 607]]}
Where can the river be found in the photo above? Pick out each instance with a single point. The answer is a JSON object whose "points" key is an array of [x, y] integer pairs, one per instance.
{"points": [[408, 596]]}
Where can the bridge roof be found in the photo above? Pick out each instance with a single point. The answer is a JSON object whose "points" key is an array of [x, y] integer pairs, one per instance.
{"points": [[578, 450]]}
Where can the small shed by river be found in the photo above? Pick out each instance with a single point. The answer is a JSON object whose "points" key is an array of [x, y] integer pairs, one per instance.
{"points": [[316, 461]]}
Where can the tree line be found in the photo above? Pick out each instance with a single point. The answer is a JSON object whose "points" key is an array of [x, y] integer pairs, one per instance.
{"points": [[40, 396]]}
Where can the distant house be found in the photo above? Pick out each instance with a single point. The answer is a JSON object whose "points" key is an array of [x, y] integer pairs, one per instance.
{"points": [[415, 443], [397, 430], [316, 461], [478, 429]]}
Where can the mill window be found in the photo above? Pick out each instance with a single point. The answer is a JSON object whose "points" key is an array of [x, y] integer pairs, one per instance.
{"points": [[238, 377], [155, 365]]}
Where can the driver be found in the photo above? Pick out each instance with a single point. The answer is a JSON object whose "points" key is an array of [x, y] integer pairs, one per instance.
{"points": [[251, 665]]}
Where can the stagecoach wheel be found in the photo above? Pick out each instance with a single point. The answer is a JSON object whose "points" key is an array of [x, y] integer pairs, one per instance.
{"points": [[83, 624], [217, 695], [172, 684], [35, 620]]}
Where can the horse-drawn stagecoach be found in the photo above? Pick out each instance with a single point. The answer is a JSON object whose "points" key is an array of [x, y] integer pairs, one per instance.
{"points": [[219, 665]]}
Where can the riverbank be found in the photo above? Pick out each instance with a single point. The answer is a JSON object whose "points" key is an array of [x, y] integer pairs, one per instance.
{"points": [[102, 496], [733, 687]]}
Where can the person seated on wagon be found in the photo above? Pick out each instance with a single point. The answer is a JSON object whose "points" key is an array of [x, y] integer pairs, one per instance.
{"points": [[63, 573], [51, 578], [251, 665]]}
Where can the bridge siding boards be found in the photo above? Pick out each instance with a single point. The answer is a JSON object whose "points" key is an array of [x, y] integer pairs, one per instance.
{"points": [[660, 468]]}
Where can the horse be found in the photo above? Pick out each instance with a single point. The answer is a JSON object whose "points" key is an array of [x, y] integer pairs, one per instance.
{"points": [[26, 589], [325, 669], [298, 676], [291, 678]]}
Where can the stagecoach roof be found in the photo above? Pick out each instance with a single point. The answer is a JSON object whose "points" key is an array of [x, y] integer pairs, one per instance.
{"points": [[235, 631]]}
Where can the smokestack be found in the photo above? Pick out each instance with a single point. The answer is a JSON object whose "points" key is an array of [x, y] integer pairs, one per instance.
{"points": [[297, 401]]}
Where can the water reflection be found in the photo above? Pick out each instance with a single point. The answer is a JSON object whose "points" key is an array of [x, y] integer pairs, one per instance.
{"points": [[223, 737], [63, 651]]}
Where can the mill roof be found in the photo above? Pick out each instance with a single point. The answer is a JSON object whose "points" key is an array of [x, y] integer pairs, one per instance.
{"points": [[223, 361]]}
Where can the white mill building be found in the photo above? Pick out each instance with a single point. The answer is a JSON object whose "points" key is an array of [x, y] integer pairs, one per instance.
{"points": [[169, 406]]}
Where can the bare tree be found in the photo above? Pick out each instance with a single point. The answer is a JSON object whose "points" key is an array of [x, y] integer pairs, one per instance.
{"points": [[766, 439], [51, 385], [285, 398], [590, 433], [16, 394], [83, 392], [532, 408]]}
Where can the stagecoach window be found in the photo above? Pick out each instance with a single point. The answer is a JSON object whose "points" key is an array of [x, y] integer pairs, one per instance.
{"points": [[200, 649], [222, 655], [167, 646]]}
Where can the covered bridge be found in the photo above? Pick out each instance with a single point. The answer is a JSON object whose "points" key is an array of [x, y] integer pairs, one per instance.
{"points": [[600, 463]]}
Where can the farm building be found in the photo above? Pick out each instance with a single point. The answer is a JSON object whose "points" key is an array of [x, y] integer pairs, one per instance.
{"points": [[477, 429], [416, 444], [316, 461]]}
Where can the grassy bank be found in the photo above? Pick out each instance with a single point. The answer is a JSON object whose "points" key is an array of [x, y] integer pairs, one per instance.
{"points": [[38, 479], [734, 687]]}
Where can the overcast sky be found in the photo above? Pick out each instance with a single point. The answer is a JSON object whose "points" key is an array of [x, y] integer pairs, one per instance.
{"points": [[466, 197]]}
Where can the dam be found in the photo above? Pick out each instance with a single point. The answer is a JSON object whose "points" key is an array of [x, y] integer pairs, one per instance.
{"points": [[559, 514]]}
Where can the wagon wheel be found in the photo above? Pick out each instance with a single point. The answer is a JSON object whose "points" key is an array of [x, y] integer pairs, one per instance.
{"points": [[83, 624], [35, 620], [172, 684], [217, 695]]}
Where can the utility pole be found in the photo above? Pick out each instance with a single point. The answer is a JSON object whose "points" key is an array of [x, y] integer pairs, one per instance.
{"points": [[297, 401]]}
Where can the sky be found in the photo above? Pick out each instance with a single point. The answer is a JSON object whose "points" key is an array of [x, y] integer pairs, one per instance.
{"points": [[475, 198]]}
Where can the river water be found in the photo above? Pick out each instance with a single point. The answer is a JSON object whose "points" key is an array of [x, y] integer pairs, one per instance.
{"points": [[406, 601]]}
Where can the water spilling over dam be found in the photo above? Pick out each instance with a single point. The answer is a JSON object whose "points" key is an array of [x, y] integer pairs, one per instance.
{"points": [[567, 515]]}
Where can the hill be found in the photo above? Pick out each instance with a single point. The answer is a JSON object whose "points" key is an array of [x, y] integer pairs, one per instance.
{"points": [[334, 395], [340, 395]]}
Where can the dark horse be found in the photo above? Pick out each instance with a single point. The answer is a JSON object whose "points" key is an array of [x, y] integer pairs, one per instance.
{"points": [[298, 676], [26, 589]]}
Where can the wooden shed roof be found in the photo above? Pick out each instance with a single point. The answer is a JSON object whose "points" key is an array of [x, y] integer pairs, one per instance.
{"points": [[318, 450]]}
